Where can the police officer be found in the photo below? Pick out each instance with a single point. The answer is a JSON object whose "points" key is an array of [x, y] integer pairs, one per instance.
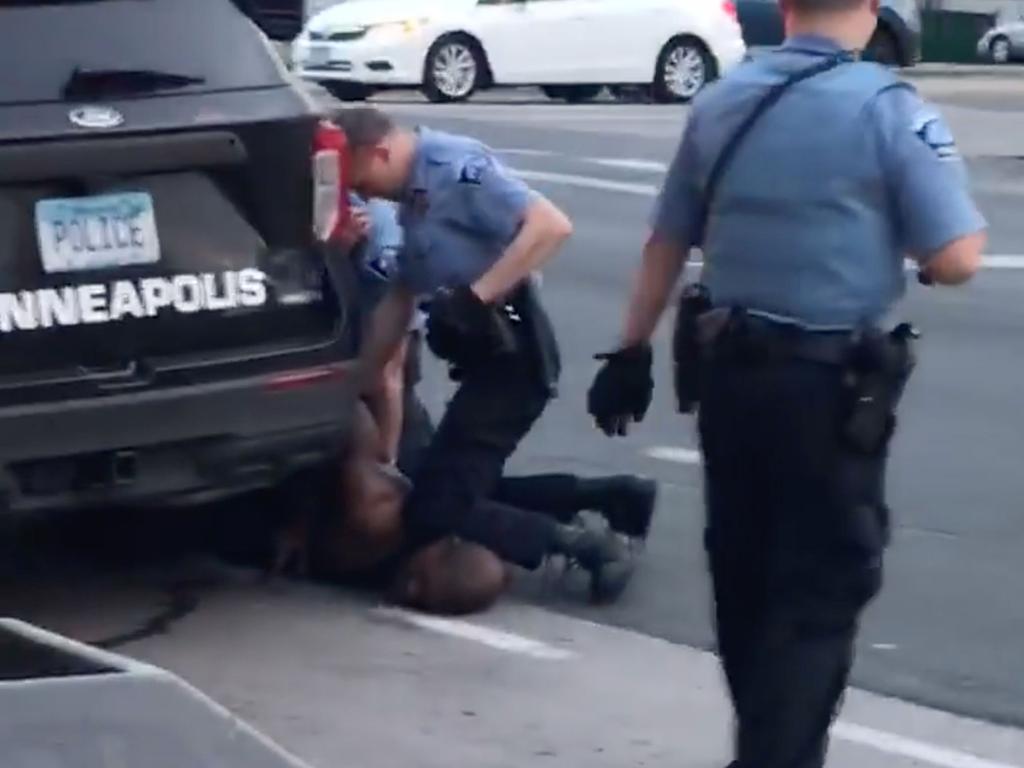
{"points": [[805, 176], [474, 234]]}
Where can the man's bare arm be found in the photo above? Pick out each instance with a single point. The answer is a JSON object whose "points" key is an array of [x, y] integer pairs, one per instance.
{"points": [[956, 262], [388, 327], [663, 262], [545, 228]]}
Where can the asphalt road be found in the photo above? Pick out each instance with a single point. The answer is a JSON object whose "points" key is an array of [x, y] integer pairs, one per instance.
{"points": [[948, 629]]}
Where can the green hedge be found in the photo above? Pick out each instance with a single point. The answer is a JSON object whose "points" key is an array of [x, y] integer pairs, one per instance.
{"points": [[952, 36]]}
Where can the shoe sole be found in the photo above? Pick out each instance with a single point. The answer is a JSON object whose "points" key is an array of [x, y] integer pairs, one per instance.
{"points": [[622, 522]]}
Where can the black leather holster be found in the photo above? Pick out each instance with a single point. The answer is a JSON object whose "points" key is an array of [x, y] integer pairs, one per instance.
{"points": [[687, 352]]}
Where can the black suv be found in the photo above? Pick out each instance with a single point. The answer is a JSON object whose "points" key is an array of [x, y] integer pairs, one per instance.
{"points": [[172, 325]]}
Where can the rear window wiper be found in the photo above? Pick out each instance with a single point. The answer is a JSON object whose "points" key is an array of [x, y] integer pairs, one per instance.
{"points": [[98, 83]]}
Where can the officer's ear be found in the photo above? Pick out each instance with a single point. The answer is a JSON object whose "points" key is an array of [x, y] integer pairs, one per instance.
{"points": [[876, 6], [382, 152]]}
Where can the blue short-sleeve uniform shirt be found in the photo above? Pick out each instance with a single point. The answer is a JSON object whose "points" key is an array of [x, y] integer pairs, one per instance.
{"points": [[460, 211], [848, 173]]}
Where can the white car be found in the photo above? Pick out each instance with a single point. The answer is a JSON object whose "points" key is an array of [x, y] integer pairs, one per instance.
{"points": [[571, 48]]}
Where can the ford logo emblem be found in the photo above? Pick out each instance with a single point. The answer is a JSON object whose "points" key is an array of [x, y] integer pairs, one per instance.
{"points": [[95, 117]]}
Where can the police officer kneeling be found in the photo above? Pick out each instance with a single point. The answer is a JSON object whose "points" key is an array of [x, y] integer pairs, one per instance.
{"points": [[805, 176], [473, 236]]}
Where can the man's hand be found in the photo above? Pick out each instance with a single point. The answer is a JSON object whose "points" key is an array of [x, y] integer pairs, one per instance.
{"points": [[622, 390], [355, 230], [462, 329]]}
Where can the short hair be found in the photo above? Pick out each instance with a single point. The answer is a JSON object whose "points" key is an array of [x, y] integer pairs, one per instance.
{"points": [[363, 126], [452, 578], [824, 6]]}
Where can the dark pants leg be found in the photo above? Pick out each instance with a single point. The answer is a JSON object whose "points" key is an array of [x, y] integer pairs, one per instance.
{"points": [[491, 412], [795, 534], [556, 495]]}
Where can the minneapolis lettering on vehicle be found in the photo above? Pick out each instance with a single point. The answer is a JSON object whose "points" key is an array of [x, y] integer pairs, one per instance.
{"points": [[107, 303]]}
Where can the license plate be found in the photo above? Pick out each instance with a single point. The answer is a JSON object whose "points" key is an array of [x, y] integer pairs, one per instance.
{"points": [[98, 232], [319, 55]]}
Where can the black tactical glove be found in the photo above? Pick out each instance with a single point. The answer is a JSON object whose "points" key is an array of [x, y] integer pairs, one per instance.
{"points": [[622, 389], [463, 331]]}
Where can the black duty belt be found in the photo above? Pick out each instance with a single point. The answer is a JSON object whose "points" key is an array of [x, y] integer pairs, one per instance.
{"points": [[760, 340]]}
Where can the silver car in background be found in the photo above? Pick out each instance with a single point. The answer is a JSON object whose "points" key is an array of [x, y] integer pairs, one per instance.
{"points": [[1005, 41]]}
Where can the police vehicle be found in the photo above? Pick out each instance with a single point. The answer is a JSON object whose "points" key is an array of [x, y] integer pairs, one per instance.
{"points": [[169, 330]]}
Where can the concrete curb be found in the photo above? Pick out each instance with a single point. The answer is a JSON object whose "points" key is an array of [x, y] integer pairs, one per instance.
{"points": [[925, 71]]}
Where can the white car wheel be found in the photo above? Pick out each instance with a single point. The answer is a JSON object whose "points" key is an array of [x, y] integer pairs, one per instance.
{"points": [[452, 70], [1000, 50], [684, 68]]}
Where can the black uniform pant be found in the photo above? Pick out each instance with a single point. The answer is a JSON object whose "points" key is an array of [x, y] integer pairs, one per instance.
{"points": [[458, 472], [796, 528], [557, 496]]}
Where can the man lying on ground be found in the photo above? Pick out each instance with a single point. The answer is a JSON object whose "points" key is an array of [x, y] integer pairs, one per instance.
{"points": [[361, 540], [358, 535]]}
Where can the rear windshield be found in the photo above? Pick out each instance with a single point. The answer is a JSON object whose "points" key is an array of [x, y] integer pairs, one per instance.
{"points": [[209, 44]]}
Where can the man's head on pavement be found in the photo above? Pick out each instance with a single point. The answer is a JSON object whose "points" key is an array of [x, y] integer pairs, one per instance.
{"points": [[452, 578], [849, 22], [382, 153]]}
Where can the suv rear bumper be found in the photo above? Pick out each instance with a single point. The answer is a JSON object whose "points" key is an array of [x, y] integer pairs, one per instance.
{"points": [[184, 445]]}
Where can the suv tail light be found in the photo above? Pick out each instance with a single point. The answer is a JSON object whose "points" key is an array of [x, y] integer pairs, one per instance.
{"points": [[730, 10], [330, 184]]}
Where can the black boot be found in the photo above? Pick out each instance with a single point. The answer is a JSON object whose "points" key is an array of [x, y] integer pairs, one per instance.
{"points": [[625, 501], [602, 555]]}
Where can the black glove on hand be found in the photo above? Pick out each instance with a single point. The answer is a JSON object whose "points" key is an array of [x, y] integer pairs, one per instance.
{"points": [[462, 330], [622, 389]]}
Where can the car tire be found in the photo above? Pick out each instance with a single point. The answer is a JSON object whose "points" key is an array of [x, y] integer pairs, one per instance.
{"points": [[347, 91], [574, 94], [883, 47], [684, 67], [454, 69], [999, 50]]}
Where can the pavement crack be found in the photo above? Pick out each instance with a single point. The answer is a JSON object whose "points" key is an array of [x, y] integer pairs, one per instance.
{"points": [[181, 600]]}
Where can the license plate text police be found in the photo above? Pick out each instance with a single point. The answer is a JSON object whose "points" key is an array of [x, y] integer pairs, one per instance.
{"points": [[100, 232]]}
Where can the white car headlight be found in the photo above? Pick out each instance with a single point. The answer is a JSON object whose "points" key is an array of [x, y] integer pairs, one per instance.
{"points": [[398, 29]]}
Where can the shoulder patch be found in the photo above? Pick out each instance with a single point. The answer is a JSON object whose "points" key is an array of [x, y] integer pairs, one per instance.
{"points": [[930, 128], [473, 170]]}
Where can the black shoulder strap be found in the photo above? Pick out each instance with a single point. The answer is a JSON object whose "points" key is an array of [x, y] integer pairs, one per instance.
{"points": [[767, 101]]}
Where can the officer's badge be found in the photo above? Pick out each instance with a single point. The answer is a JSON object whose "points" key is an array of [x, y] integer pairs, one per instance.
{"points": [[473, 171], [932, 130]]}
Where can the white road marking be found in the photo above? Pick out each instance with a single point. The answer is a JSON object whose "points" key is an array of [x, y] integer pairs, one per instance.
{"points": [[590, 182], [1003, 261], [885, 646], [628, 164], [493, 638], [987, 262], [524, 152], [674, 454], [893, 744]]}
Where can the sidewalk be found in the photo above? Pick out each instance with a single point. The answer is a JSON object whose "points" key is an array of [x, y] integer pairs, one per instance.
{"points": [[340, 682]]}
